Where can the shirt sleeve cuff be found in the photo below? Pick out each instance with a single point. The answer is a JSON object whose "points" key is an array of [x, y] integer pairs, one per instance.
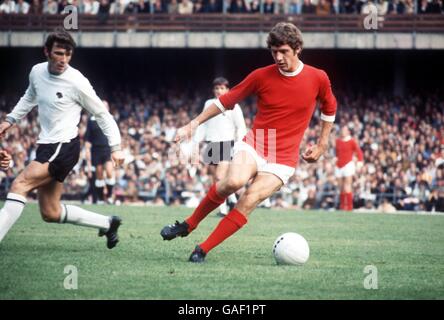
{"points": [[328, 118], [219, 105], [10, 119]]}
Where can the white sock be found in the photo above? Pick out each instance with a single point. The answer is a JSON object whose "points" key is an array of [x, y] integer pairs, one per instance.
{"points": [[232, 198], [110, 182], [81, 217], [10, 212], [99, 183], [223, 208]]}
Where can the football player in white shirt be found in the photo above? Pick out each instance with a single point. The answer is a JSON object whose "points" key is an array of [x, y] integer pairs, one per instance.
{"points": [[60, 92], [221, 132]]}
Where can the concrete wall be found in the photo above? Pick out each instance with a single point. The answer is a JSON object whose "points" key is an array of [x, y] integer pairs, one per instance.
{"points": [[231, 40]]}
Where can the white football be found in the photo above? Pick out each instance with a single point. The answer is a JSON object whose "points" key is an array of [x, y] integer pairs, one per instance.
{"points": [[291, 248]]}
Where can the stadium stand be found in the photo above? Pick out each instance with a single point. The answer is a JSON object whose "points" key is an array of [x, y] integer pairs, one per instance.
{"points": [[318, 7], [210, 22], [402, 139]]}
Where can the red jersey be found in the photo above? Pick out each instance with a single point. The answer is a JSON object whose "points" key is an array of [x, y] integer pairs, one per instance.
{"points": [[285, 105], [345, 149]]}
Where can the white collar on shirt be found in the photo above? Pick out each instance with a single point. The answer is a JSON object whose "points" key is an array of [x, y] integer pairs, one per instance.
{"points": [[293, 73]]}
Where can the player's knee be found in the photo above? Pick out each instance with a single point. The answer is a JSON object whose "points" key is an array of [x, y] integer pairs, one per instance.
{"points": [[218, 178], [232, 184], [49, 216], [347, 187]]}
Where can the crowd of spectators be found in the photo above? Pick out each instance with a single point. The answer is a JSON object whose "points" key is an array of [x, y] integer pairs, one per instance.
{"points": [[319, 7], [402, 140]]}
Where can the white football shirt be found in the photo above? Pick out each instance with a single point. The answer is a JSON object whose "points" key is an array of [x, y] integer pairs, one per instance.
{"points": [[226, 126], [60, 99]]}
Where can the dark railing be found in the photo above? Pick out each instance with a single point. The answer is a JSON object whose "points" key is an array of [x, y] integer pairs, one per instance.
{"points": [[433, 23]]}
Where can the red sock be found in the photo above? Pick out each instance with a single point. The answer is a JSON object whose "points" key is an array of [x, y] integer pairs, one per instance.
{"points": [[342, 201], [208, 204], [349, 196], [232, 222]]}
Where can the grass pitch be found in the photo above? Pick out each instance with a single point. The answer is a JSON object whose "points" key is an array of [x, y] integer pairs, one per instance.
{"points": [[407, 250]]}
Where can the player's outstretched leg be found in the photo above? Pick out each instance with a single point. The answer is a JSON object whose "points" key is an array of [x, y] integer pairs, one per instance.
{"points": [[208, 204], [229, 225], [172, 231], [198, 255], [108, 226], [241, 169], [53, 211], [262, 187], [10, 212], [111, 234], [33, 175]]}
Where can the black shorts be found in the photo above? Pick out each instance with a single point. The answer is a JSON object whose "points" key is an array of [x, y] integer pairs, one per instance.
{"points": [[100, 155], [216, 152], [62, 157]]}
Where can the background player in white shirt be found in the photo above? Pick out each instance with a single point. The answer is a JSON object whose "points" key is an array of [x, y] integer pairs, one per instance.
{"points": [[60, 92], [221, 132]]}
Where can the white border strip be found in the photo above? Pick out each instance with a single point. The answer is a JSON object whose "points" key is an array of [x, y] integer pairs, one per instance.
{"points": [[56, 153], [219, 105], [328, 118]]}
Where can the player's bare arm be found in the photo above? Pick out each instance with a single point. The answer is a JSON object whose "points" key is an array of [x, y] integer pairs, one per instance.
{"points": [[314, 152], [4, 126], [187, 131], [5, 160]]}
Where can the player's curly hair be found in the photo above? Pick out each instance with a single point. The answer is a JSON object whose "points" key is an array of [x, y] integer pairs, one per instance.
{"points": [[285, 33], [63, 39]]}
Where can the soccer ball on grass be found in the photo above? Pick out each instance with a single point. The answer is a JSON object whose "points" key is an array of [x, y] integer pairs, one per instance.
{"points": [[291, 249]]}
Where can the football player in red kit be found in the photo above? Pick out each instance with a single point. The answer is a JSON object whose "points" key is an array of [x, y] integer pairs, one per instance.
{"points": [[346, 148], [287, 92]]}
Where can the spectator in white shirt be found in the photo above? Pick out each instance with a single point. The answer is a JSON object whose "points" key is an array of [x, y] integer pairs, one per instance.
{"points": [[22, 7], [185, 7], [7, 6]]}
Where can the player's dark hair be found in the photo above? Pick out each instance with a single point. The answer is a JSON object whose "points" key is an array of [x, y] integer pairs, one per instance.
{"points": [[285, 33], [221, 81], [63, 39]]}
